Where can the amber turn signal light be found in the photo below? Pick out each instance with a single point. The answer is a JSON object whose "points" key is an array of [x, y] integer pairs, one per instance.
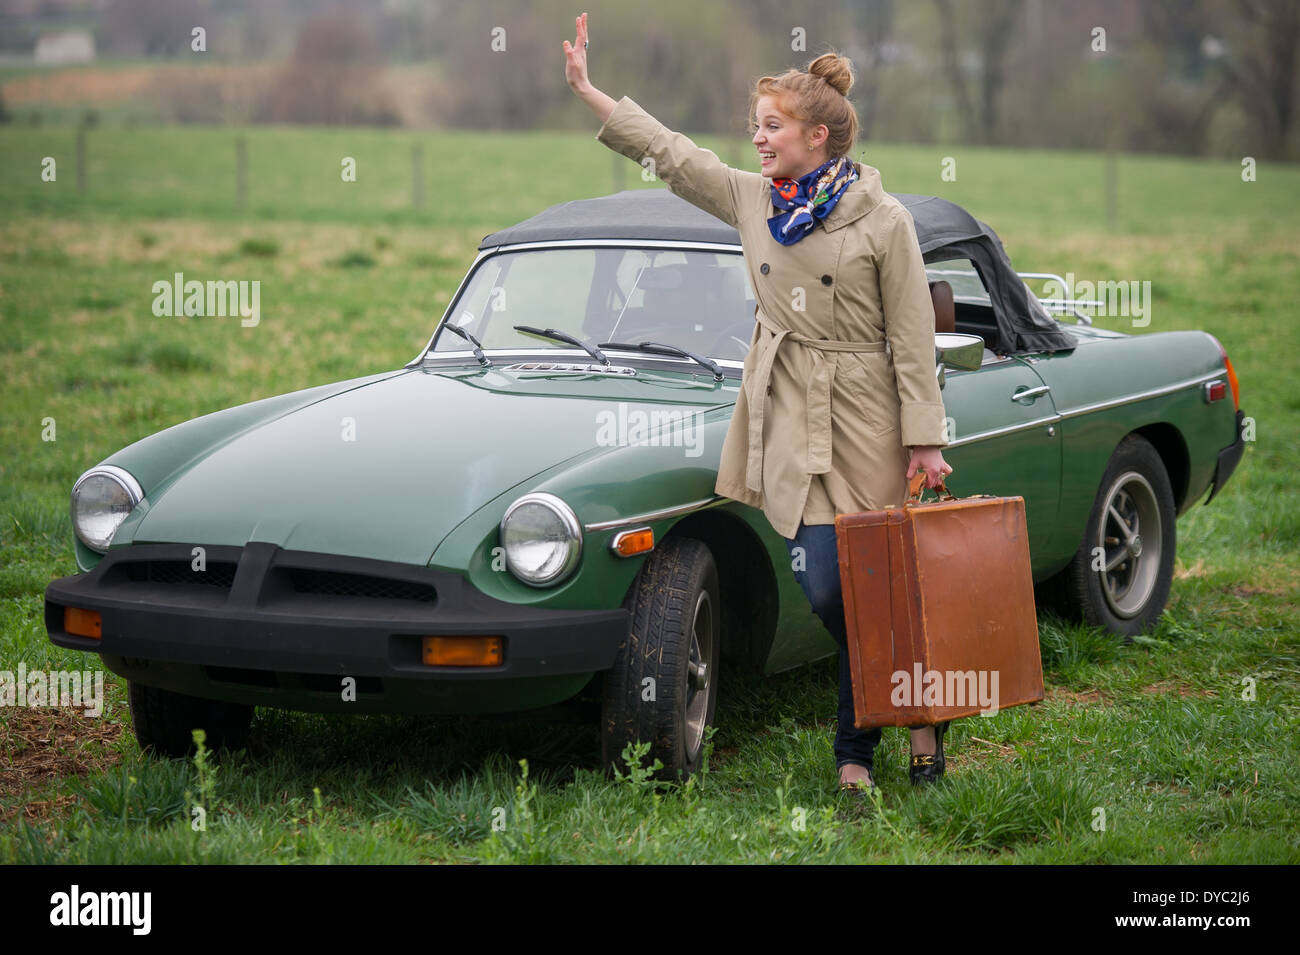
{"points": [[83, 623], [463, 651], [633, 542]]}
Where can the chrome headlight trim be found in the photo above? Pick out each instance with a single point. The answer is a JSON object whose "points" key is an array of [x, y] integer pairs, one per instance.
{"points": [[123, 479], [572, 528]]}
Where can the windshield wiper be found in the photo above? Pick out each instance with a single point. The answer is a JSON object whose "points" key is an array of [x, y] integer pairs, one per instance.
{"points": [[556, 335], [478, 345], [659, 348]]}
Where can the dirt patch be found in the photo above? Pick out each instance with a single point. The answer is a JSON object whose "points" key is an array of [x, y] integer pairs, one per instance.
{"points": [[1182, 689], [43, 744], [1241, 590], [1073, 698], [977, 750]]}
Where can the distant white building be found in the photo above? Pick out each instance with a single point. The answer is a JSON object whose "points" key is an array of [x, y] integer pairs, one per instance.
{"points": [[66, 46]]}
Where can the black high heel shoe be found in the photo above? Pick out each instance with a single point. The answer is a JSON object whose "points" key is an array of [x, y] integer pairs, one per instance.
{"points": [[928, 769]]}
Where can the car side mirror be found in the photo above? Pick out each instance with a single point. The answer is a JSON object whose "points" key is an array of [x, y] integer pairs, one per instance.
{"points": [[962, 352], [959, 352]]}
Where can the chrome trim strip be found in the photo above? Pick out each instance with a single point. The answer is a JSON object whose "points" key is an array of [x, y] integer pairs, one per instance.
{"points": [[996, 432], [1140, 396], [1084, 409], [628, 243], [648, 516]]}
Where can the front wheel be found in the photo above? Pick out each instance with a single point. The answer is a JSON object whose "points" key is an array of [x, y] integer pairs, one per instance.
{"points": [[164, 721], [1120, 577], [663, 687]]}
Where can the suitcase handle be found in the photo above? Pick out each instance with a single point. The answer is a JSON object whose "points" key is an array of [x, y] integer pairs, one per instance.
{"points": [[916, 488]]}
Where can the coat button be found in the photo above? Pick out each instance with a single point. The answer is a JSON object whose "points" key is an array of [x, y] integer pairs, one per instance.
{"points": [[826, 280], [763, 268]]}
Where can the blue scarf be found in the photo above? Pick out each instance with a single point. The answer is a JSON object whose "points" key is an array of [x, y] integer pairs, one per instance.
{"points": [[807, 198]]}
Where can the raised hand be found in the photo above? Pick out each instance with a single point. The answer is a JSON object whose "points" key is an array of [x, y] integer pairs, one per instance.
{"points": [[575, 59]]}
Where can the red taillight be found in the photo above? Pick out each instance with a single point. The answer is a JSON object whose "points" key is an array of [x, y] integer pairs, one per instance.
{"points": [[1232, 375]]}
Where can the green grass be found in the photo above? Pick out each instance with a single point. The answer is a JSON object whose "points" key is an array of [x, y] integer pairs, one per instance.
{"points": [[1155, 737]]}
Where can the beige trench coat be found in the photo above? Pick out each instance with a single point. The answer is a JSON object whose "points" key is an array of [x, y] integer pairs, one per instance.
{"points": [[840, 377]]}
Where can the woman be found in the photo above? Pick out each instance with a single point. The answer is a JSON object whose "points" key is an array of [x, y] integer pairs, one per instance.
{"points": [[829, 420]]}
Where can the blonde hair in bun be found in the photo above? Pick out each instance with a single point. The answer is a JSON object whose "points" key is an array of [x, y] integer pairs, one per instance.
{"points": [[815, 97]]}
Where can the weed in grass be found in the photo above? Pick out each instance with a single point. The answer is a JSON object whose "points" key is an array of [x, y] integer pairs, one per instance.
{"points": [[201, 801], [999, 808], [98, 303], [127, 796], [177, 357], [459, 813], [639, 779], [259, 248], [355, 260], [1068, 647], [515, 836]]}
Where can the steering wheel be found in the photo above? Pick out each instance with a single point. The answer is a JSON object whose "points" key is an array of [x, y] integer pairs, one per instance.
{"points": [[735, 337]]}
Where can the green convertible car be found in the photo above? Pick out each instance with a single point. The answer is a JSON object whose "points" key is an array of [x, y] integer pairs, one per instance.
{"points": [[528, 505]]}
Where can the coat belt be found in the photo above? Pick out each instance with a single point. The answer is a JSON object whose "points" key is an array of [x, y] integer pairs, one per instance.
{"points": [[818, 400]]}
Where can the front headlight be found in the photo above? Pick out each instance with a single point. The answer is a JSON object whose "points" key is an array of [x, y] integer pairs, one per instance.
{"points": [[542, 539], [101, 500]]}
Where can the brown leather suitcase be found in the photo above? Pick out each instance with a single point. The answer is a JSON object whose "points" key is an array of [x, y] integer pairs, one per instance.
{"points": [[939, 604]]}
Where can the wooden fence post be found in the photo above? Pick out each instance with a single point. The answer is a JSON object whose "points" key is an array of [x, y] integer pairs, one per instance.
{"points": [[417, 175], [81, 160], [241, 173]]}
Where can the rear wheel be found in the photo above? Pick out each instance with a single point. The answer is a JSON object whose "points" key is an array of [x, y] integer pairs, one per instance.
{"points": [[662, 688], [1120, 577], [164, 721]]}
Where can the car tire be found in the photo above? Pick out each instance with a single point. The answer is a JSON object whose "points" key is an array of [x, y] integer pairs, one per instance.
{"points": [[1125, 586], [662, 688], [164, 721]]}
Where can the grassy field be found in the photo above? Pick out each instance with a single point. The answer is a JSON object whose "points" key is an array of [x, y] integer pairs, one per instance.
{"points": [[1157, 734]]}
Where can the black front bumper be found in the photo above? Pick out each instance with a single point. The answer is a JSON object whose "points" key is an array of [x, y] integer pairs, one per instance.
{"points": [[274, 627], [1229, 458]]}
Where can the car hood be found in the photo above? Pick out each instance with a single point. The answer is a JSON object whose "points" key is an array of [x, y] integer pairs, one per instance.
{"points": [[386, 470]]}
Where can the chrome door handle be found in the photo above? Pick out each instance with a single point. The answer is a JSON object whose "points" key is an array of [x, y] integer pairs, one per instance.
{"points": [[1030, 394]]}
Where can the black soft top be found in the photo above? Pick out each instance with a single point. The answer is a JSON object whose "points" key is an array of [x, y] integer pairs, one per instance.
{"points": [[945, 231]]}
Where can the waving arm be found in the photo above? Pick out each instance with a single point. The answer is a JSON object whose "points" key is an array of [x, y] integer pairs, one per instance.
{"points": [[692, 172]]}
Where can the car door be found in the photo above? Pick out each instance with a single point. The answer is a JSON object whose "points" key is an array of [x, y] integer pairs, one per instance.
{"points": [[1004, 439], [1004, 436]]}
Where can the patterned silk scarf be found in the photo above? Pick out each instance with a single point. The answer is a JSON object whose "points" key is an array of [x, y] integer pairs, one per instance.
{"points": [[809, 197]]}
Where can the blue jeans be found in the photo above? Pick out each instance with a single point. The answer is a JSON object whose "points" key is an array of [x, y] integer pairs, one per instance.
{"points": [[820, 580]]}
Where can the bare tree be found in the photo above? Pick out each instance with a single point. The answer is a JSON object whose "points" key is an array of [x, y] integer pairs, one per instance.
{"points": [[994, 31], [875, 22], [1260, 63]]}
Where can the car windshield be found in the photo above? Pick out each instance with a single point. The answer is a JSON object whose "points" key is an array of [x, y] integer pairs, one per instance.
{"points": [[700, 301]]}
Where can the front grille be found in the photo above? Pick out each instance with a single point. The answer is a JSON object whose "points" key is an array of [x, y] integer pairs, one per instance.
{"points": [[217, 573], [333, 583]]}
